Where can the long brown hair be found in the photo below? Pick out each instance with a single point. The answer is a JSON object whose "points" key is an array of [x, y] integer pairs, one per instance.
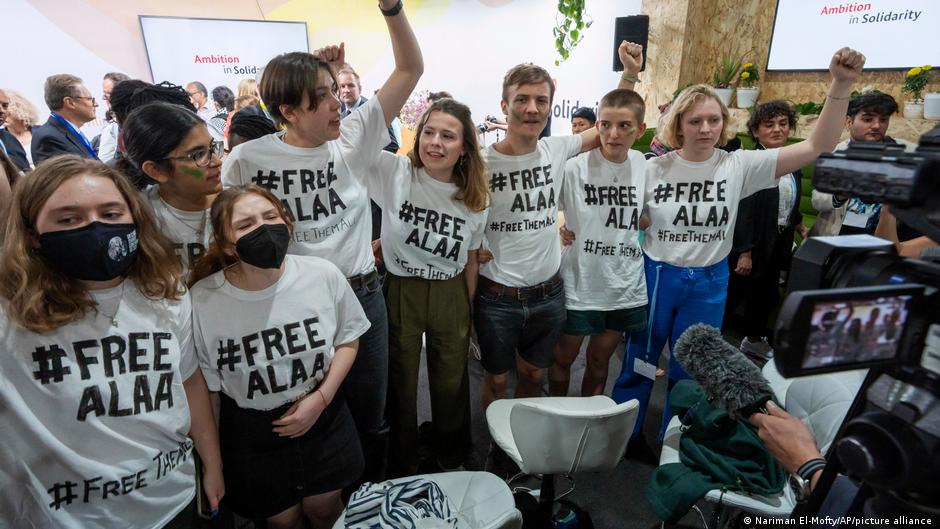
{"points": [[469, 172], [42, 299], [216, 258]]}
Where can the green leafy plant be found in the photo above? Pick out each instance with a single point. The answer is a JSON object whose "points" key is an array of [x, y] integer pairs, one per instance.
{"points": [[727, 71], [916, 80], [808, 108], [749, 75], [570, 24]]}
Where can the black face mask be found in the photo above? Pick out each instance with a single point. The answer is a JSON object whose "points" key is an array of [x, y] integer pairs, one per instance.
{"points": [[265, 246], [96, 252]]}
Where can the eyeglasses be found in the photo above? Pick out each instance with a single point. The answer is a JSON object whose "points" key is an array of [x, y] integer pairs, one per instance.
{"points": [[202, 156], [84, 97]]}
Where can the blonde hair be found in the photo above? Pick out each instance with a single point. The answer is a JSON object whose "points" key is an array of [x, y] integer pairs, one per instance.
{"points": [[43, 299], [21, 108], [469, 172], [223, 208], [670, 131], [247, 87]]}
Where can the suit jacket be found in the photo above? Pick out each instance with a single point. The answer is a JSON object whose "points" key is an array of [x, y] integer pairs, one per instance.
{"points": [[14, 149], [756, 228], [52, 139]]}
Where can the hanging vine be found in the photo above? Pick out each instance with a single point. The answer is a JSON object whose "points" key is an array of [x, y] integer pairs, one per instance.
{"points": [[570, 23]]}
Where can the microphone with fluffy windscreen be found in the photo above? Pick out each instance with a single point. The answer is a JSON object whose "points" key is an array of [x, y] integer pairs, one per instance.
{"points": [[728, 379]]}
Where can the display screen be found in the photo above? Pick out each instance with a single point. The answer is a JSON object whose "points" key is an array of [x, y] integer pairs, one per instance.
{"points": [[893, 34], [849, 332]]}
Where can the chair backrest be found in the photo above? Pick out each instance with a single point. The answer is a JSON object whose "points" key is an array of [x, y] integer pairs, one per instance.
{"points": [[822, 401], [776, 381], [553, 441]]}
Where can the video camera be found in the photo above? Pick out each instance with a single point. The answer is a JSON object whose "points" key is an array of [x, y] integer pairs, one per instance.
{"points": [[481, 128], [854, 303]]}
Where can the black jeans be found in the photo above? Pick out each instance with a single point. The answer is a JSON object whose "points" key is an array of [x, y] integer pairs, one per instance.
{"points": [[366, 384]]}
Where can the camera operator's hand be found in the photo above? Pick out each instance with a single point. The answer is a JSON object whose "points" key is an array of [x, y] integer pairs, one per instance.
{"points": [[631, 56], [785, 437], [744, 264]]}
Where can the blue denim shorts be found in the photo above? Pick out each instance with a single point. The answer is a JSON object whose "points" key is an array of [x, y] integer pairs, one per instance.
{"points": [[531, 326]]}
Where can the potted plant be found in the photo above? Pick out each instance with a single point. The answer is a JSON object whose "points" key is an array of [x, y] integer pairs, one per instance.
{"points": [[747, 85], [727, 72], [914, 83]]}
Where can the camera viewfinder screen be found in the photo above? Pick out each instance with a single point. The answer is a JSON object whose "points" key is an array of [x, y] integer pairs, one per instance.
{"points": [[849, 332]]}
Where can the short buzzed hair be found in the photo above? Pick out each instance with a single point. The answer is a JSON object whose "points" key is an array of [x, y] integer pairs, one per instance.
{"points": [[58, 87], [623, 98], [527, 73]]}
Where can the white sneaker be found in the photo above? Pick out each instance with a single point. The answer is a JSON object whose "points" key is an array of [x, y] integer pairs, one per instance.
{"points": [[762, 348]]}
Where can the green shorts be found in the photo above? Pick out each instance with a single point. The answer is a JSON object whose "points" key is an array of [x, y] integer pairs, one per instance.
{"points": [[591, 322]]}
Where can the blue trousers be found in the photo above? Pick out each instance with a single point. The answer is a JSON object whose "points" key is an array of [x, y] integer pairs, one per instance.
{"points": [[678, 298]]}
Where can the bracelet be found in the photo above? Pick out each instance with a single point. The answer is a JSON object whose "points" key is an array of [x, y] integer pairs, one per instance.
{"points": [[834, 98], [630, 79], [393, 11], [810, 467], [325, 403]]}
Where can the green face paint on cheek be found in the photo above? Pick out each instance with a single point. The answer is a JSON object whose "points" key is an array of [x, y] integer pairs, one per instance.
{"points": [[192, 171]]}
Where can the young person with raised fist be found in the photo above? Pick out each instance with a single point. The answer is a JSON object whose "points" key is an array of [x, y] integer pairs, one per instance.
{"points": [[317, 167], [693, 194]]}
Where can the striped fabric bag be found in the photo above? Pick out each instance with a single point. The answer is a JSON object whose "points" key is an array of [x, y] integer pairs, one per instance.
{"points": [[415, 504]]}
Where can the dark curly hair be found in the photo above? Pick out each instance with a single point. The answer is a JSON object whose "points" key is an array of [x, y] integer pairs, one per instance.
{"points": [[767, 111]]}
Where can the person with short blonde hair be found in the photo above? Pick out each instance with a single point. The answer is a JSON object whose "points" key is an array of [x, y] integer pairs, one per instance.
{"points": [[98, 378], [694, 193]]}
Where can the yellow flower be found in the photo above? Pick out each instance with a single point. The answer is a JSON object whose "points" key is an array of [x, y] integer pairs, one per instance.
{"points": [[748, 65], [914, 71], [926, 67], [745, 75]]}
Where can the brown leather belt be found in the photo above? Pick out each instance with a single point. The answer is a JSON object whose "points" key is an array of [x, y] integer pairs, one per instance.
{"points": [[521, 293]]}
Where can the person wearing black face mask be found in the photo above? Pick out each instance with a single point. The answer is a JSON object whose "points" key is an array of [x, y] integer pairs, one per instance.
{"points": [[276, 335], [98, 376]]}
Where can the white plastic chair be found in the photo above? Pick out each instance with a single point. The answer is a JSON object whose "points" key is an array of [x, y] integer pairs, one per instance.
{"points": [[561, 435], [820, 401], [481, 500]]}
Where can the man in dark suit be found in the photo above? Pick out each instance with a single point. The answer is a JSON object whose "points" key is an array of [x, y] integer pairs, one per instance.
{"points": [[72, 106], [9, 145]]}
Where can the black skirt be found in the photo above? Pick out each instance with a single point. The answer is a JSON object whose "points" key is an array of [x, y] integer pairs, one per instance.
{"points": [[266, 474]]}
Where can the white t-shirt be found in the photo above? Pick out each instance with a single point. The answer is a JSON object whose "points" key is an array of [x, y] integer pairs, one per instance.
{"points": [[95, 418], [693, 205], [602, 201], [268, 347], [190, 231], [322, 186], [425, 231], [522, 227]]}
